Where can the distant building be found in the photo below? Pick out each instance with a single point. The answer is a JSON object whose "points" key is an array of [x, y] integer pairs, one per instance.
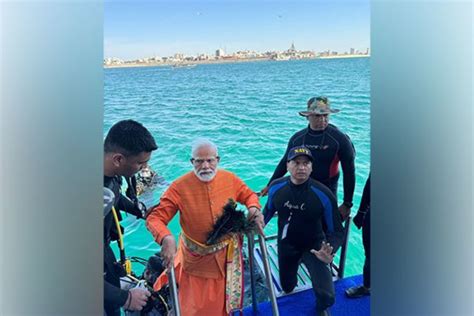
{"points": [[292, 48], [367, 51], [352, 51], [203, 57], [113, 61], [178, 56], [220, 53]]}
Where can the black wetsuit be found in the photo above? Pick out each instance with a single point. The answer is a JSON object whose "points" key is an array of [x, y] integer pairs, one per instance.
{"points": [[114, 297], [307, 215], [365, 208], [328, 147]]}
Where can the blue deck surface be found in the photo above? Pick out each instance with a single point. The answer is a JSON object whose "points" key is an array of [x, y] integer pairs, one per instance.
{"points": [[303, 303]]}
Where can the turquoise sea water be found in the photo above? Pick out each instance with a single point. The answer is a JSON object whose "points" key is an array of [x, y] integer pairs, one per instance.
{"points": [[249, 110]]}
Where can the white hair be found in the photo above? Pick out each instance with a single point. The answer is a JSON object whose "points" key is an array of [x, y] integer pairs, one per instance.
{"points": [[202, 142]]}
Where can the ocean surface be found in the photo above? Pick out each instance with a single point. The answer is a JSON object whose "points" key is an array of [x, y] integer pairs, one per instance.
{"points": [[249, 110]]}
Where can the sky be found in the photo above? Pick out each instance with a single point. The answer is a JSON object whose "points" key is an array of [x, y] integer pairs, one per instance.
{"points": [[138, 28]]}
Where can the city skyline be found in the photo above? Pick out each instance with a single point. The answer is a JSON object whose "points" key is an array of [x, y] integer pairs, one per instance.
{"points": [[134, 30], [220, 54]]}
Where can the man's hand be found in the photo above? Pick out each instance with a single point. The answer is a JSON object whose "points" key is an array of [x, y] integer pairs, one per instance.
{"points": [[344, 210], [325, 253], [257, 217], [264, 191], [359, 219], [168, 250], [137, 299]]}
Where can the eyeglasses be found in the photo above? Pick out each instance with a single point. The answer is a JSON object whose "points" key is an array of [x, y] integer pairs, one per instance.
{"points": [[199, 161]]}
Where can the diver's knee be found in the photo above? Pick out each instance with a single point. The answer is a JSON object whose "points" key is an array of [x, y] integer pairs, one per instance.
{"points": [[327, 298], [288, 287]]}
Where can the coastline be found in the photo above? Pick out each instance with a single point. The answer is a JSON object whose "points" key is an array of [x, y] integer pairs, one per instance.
{"points": [[224, 61]]}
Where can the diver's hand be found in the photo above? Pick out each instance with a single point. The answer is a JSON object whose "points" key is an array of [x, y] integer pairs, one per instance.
{"points": [[264, 191], [257, 217], [344, 210], [137, 299], [325, 253], [359, 219], [168, 250]]}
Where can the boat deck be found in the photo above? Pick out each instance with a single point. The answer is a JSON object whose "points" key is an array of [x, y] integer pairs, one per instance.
{"points": [[303, 303], [302, 300]]}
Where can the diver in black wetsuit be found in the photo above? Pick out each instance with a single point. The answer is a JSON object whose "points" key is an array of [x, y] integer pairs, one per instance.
{"points": [[362, 219], [329, 146], [308, 219], [127, 148]]}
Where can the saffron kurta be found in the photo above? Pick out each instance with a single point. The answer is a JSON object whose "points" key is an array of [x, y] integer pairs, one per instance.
{"points": [[201, 279]]}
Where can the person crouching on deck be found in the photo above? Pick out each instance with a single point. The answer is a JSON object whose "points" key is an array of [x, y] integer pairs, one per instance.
{"points": [[308, 219], [209, 277]]}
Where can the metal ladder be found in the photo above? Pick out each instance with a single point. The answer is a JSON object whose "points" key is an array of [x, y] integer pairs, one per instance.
{"points": [[266, 256], [261, 256]]}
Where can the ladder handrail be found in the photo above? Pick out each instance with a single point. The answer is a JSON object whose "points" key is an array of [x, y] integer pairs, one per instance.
{"points": [[342, 258], [174, 291], [268, 273], [252, 273]]}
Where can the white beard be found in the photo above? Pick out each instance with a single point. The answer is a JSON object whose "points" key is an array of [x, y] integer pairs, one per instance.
{"points": [[205, 177]]}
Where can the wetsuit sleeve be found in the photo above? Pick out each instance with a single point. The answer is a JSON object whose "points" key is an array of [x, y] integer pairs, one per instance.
{"points": [[114, 295], [268, 213], [244, 194], [331, 216], [126, 205], [281, 170], [347, 157], [161, 214], [365, 200], [269, 209]]}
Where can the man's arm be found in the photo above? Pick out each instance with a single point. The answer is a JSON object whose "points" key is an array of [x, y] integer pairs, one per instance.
{"points": [[134, 208], [161, 214], [268, 212], [114, 295], [244, 195], [133, 300], [335, 231], [347, 157], [364, 207], [158, 219], [270, 209], [331, 216], [250, 199]]}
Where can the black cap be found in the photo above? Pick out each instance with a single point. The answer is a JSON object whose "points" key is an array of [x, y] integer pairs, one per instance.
{"points": [[299, 151]]}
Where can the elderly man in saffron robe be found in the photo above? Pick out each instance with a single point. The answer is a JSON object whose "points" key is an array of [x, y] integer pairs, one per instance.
{"points": [[209, 277]]}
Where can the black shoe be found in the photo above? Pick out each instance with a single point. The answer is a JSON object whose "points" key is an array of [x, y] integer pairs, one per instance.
{"points": [[324, 312], [357, 291]]}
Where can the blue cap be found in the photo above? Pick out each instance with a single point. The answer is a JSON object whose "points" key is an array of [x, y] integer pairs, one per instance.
{"points": [[299, 151]]}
